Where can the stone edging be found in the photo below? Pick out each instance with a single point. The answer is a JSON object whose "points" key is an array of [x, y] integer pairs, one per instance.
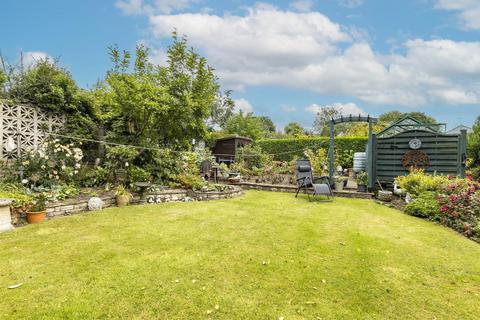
{"points": [[290, 188]]}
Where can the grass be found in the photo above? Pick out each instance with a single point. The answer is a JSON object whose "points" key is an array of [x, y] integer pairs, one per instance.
{"points": [[262, 256]]}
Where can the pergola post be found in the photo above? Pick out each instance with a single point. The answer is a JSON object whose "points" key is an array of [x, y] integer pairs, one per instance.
{"points": [[331, 153]]}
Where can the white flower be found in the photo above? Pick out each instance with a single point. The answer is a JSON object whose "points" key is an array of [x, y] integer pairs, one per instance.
{"points": [[126, 164], [63, 167], [77, 165], [24, 181], [76, 171]]}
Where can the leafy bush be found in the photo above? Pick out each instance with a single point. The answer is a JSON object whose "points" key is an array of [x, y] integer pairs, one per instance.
{"points": [[51, 164], [92, 177], [20, 194], [253, 157], [362, 178], [190, 181], [136, 174], [318, 159], [417, 182], [425, 205], [287, 149]]}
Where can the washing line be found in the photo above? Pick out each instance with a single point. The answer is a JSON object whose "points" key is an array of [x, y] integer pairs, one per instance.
{"points": [[163, 149]]}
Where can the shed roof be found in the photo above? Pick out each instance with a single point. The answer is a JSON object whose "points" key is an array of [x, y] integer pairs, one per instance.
{"points": [[234, 137], [409, 123]]}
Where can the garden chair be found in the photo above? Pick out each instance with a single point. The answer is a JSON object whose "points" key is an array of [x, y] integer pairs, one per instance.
{"points": [[307, 182]]}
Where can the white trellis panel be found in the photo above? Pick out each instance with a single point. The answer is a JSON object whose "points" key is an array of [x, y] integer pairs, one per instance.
{"points": [[26, 125]]}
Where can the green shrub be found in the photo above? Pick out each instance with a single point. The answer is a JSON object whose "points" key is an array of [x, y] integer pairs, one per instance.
{"points": [[253, 157], [425, 205], [190, 181], [417, 182], [319, 161], [92, 177], [136, 174], [362, 178], [287, 149]]}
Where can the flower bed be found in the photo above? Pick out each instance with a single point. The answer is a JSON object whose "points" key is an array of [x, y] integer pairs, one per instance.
{"points": [[80, 203]]}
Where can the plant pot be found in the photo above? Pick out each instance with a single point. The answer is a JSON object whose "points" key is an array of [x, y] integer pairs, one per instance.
{"points": [[36, 216], [122, 201], [339, 185], [362, 188]]}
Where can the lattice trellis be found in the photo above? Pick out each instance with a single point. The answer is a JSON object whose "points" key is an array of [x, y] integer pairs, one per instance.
{"points": [[26, 125]]}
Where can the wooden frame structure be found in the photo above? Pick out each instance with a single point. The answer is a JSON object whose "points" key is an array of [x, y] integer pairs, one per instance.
{"points": [[331, 149]]}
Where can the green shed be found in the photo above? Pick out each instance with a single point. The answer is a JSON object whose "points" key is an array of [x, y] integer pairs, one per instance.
{"points": [[410, 144]]}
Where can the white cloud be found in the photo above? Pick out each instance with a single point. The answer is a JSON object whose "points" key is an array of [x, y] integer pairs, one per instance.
{"points": [[468, 11], [243, 105], [139, 7], [345, 109], [351, 3], [302, 5], [308, 51], [29, 58]]}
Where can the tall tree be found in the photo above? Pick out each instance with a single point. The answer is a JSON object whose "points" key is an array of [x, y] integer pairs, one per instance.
{"points": [[294, 129], [246, 125], [267, 124], [321, 122]]}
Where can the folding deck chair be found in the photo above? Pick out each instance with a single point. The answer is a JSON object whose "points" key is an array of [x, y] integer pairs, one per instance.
{"points": [[307, 182]]}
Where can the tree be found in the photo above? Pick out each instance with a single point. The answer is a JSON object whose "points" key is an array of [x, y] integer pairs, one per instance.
{"points": [[222, 109], [393, 116], [165, 106], [246, 125], [47, 86], [267, 124], [321, 122], [473, 145], [294, 129]]}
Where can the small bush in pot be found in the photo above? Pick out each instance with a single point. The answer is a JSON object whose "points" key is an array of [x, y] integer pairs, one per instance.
{"points": [[36, 212], [122, 195], [362, 181]]}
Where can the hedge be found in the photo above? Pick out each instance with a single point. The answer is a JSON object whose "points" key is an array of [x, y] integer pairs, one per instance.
{"points": [[287, 149]]}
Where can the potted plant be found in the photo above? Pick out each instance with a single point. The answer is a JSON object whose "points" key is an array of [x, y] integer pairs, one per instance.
{"points": [[339, 182], [362, 181], [122, 195], [36, 213]]}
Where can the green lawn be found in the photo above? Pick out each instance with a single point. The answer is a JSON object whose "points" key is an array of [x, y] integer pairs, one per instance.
{"points": [[262, 256]]}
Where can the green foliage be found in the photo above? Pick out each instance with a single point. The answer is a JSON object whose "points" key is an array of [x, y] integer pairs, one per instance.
{"points": [[121, 190], [190, 181], [246, 125], [417, 182], [137, 174], [425, 205], [121, 156], [393, 116], [53, 163], [318, 160], [267, 124], [47, 86], [90, 177], [473, 145], [20, 194], [362, 178], [253, 157], [287, 149], [294, 129]]}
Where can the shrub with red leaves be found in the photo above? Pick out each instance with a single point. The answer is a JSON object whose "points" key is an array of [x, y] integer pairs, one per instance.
{"points": [[459, 202]]}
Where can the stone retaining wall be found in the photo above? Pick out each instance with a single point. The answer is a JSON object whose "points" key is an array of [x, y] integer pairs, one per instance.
{"points": [[78, 205], [290, 188]]}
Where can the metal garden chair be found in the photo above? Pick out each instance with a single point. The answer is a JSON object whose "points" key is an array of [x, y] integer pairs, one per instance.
{"points": [[307, 182]]}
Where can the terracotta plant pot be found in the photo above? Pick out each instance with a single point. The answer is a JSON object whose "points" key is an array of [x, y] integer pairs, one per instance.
{"points": [[122, 201], [36, 216]]}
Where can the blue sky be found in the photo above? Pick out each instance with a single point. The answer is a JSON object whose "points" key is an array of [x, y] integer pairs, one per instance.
{"points": [[283, 59]]}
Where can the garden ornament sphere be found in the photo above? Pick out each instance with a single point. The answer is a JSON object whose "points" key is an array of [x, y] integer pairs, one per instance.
{"points": [[95, 203]]}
